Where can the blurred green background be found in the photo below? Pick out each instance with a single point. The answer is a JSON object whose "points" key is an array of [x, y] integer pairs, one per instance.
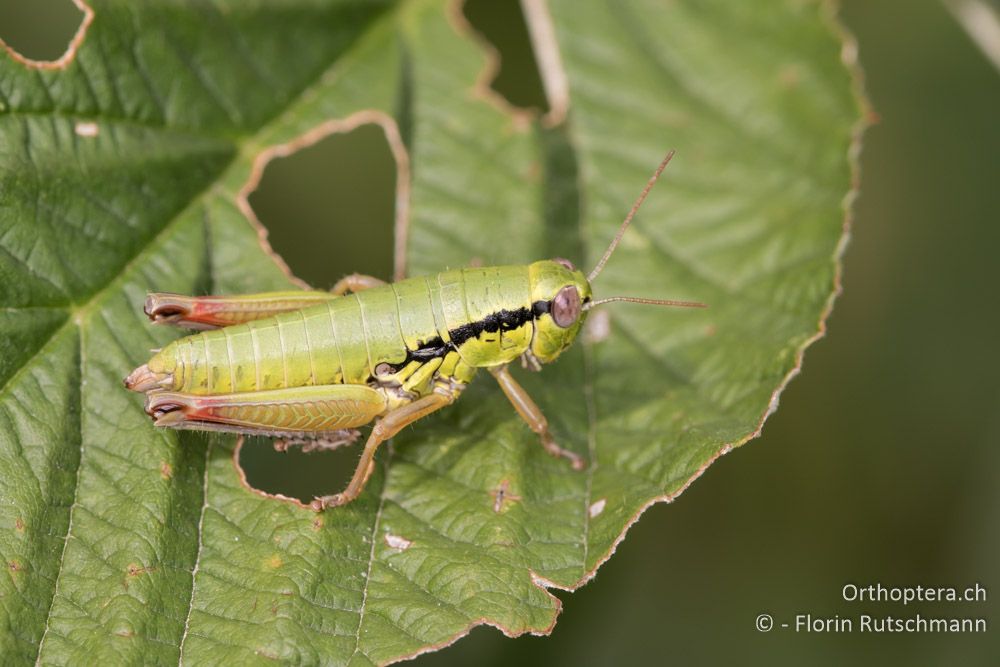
{"points": [[882, 463]]}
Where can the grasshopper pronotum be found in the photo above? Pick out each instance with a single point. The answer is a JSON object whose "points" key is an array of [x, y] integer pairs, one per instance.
{"points": [[310, 367]]}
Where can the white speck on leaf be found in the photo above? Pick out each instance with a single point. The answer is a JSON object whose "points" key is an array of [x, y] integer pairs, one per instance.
{"points": [[397, 542], [598, 326], [87, 129], [597, 507]]}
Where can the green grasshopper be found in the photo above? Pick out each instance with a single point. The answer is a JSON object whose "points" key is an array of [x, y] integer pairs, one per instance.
{"points": [[310, 367]]}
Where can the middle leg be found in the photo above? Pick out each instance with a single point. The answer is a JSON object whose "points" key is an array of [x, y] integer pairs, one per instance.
{"points": [[384, 429], [355, 282]]}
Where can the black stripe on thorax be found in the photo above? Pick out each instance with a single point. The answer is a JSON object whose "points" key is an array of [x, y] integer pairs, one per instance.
{"points": [[503, 319]]}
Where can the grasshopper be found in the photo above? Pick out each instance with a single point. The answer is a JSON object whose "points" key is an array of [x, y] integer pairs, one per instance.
{"points": [[310, 367]]}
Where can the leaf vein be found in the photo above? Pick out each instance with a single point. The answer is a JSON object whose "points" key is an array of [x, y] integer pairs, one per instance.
{"points": [[72, 508], [198, 552]]}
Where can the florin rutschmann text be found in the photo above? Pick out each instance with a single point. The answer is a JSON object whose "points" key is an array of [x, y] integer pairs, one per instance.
{"points": [[878, 623]]}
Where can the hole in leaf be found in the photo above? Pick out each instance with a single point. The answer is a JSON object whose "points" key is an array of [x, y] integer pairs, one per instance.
{"points": [[502, 24], [329, 207], [40, 30], [296, 474]]}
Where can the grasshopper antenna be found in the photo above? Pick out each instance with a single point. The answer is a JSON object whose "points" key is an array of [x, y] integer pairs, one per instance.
{"points": [[653, 302], [628, 218]]}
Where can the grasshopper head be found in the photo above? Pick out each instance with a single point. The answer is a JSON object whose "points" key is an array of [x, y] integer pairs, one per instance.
{"points": [[559, 294]]}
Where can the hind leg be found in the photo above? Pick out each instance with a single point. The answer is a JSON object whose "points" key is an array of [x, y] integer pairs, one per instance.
{"points": [[319, 411], [212, 312], [322, 443]]}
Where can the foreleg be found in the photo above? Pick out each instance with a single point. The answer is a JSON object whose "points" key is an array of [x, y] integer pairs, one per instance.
{"points": [[532, 415]]}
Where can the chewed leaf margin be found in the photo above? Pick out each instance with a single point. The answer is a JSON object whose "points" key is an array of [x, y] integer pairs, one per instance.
{"points": [[67, 57]]}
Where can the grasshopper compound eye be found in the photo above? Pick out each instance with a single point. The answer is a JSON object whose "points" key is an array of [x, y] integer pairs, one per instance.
{"points": [[564, 262], [566, 306]]}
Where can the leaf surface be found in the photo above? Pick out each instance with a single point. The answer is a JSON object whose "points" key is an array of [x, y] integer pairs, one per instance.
{"points": [[124, 543]]}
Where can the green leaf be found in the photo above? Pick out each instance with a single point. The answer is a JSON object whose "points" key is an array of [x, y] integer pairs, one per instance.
{"points": [[124, 543]]}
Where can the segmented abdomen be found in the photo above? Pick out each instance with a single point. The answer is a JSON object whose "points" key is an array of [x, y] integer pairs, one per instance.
{"points": [[455, 321]]}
